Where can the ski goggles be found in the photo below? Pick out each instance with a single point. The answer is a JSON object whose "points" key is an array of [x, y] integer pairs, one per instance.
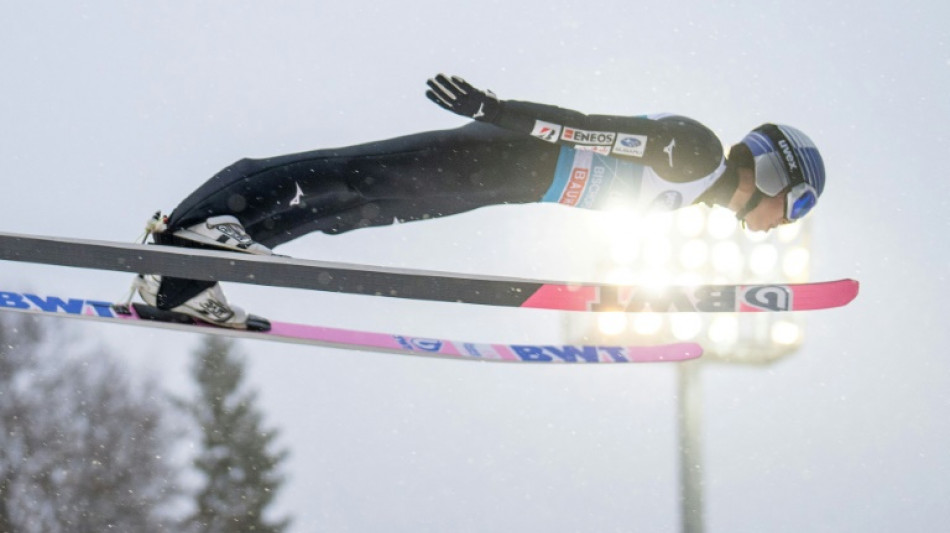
{"points": [[799, 200]]}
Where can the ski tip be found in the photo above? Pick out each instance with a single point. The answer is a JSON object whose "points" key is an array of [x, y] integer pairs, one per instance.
{"points": [[666, 353], [849, 289], [824, 294], [691, 350], [855, 287]]}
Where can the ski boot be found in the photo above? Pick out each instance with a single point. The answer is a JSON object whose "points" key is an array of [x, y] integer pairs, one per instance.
{"points": [[209, 306], [223, 231]]}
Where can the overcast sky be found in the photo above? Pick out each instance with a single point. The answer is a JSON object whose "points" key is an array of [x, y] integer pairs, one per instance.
{"points": [[112, 110]]}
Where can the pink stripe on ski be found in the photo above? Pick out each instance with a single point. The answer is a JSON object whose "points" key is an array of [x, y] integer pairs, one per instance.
{"points": [[823, 295], [527, 353], [563, 297], [749, 298], [498, 352]]}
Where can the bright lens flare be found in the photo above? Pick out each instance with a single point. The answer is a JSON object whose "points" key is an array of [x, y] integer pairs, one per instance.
{"points": [[689, 279], [686, 326], [788, 232], [621, 276], [657, 252], [622, 224], [786, 333], [656, 279], [622, 229], [660, 224], [756, 236], [724, 330], [698, 245], [727, 257], [624, 251], [763, 259], [722, 223], [612, 323], [694, 254], [690, 222], [647, 323], [795, 264]]}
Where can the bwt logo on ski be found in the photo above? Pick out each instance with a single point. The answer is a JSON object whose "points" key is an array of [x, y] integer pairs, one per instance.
{"points": [[53, 304], [548, 354], [570, 354], [703, 299]]}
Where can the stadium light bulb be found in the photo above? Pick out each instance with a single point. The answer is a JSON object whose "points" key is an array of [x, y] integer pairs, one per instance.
{"points": [[612, 323], [621, 276], [621, 225], [726, 257], [647, 323], [624, 251], [691, 222], [689, 279], [661, 224], [656, 278], [694, 254], [657, 252], [795, 263], [788, 232], [763, 259], [756, 236], [722, 223], [786, 333], [724, 330], [686, 326]]}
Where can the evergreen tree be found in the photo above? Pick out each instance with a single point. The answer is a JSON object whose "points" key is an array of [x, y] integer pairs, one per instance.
{"points": [[239, 470], [82, 448]]}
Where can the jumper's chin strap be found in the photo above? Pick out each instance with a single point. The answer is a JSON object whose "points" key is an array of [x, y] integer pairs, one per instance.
{"points": [[753, 202]]}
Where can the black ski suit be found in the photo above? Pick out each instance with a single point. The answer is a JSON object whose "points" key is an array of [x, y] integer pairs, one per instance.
{"points": [[427, 175]]}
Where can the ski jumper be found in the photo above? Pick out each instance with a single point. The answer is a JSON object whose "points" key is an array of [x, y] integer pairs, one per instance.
{"points": [[528, 153]]}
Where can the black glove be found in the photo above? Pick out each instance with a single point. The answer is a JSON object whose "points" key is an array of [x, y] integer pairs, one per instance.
{"points": [[458, 96]]}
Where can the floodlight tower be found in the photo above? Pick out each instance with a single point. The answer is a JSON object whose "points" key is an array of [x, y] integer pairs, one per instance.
{"points": [[692, 246]]}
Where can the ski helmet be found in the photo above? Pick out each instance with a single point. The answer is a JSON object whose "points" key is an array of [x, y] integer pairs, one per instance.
{"points": [[787, 160]]}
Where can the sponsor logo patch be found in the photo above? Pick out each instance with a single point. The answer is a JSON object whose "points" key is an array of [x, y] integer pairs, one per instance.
{"points": [[668, 201], [603, 150], [632, 145], [546, 131], [575, 187], [589, 137]]}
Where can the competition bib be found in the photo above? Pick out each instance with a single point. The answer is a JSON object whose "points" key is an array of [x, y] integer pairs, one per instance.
{"points": [[591, 180]]}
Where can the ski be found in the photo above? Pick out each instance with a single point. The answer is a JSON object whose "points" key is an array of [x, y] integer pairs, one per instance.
{"points": [[143, 315], [421, 284]]}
